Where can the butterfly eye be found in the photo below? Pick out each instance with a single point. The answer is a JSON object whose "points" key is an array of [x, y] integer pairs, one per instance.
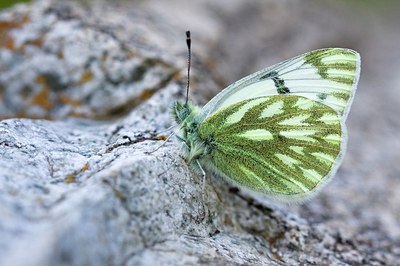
{"points": [[192, 127]]}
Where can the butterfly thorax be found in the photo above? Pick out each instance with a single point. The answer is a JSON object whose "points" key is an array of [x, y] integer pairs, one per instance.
{"points": [[187, 117]]}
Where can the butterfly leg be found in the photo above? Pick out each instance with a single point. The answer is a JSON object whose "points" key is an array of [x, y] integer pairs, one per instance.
{"points": [[203, 189], [203, 173], [166, 130]]}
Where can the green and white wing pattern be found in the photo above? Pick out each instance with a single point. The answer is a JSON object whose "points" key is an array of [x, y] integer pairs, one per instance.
{"points": [[283, 145], [328, 76]]}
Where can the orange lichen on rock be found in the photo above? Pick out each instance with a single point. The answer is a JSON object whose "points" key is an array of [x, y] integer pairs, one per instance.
{"points": [[6, 40], [162, 137], [43, 99], [71, 178], [37, 41], [86, 77], [66, 100], [85, 167], [41, 79]]}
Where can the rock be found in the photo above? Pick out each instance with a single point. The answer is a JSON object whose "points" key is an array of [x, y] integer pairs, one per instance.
{"points": [[56, 61], [96, 185]]}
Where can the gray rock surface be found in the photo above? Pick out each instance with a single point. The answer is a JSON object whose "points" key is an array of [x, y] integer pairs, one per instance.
{"points": [[83, 189]]}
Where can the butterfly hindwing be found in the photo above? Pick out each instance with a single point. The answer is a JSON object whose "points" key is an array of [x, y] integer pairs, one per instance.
{"points": [[283, 145], [328, 76]]}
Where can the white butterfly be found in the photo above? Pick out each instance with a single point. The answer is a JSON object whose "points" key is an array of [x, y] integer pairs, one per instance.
{"points": [[279, 131]]}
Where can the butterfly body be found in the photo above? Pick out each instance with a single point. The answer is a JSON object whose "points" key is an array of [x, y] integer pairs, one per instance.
{"points": [[187, 116], [279, 131]]}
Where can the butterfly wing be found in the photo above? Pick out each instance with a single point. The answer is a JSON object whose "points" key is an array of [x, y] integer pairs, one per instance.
{"points": [[283, 145], [328, 76]]}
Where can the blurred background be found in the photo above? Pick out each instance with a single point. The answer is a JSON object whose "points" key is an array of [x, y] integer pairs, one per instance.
{"points": [[234, 38], [9, 3]]}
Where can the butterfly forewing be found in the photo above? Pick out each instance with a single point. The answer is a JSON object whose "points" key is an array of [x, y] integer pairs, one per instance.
{"points": [[280, 145], [328, 76]]}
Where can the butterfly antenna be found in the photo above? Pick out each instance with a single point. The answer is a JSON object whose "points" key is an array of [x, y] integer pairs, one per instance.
{"points": [[188, 43]]}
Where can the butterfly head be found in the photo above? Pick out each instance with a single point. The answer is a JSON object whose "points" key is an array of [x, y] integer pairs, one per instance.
{"points": [[186, 117], [181, 111]]}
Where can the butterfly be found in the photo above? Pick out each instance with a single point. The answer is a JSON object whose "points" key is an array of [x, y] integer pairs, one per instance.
{"points": [[280, 131]]}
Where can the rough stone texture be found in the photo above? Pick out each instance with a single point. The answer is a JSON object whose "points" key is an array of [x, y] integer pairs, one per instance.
{"points": [[59, 61], [77, 191]]}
